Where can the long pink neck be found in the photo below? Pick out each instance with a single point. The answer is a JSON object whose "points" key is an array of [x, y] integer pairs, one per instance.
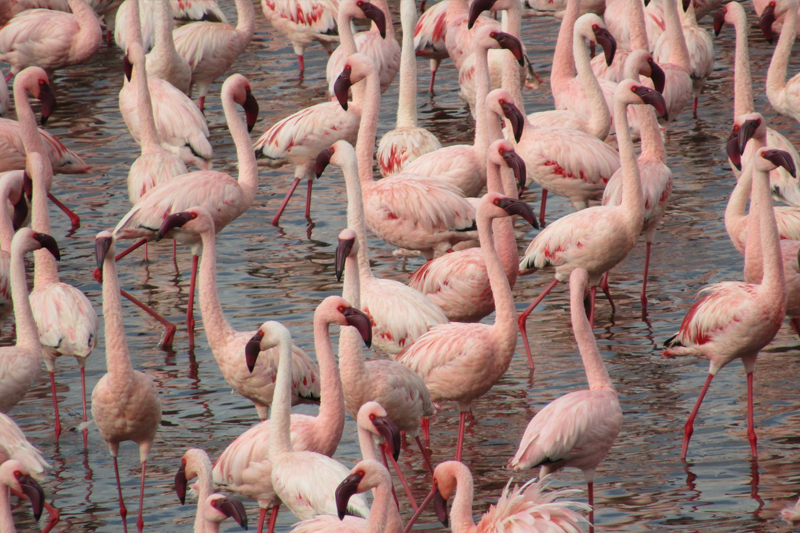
{"points": [[329, 422], [600, 119], [650, 132], [501, 180], [638, 31], [563, 61], [86, 42], [596, 373], [280, 416], [248, 168], [8, 182], [773, 284], [352, 368], [379, 513], [753, 253], [6, 520], [27, 333], [147, 124], [407, 93], [218, 330], [355, 215], [368, 127], [461, 510], [674, 31], [482, 86], [776, 75], [735, 211], [205, 487], [632, 204], [118, 361], [742, 80], [245, 25]]}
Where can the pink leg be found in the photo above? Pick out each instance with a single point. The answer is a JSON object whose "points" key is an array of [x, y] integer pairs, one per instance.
{"points": [[302, 65], [523, 318], [140, 521], [689, 427], [53, 517], [604, 286], [285, 201], [591, 504], [203, 104], [273, 518], [174, 252], [146, 258], [83, 397], [74, 219], [386, 464], [541, 210], [123, 511], [795, 323], [433, 77], [592, 296], [192, 282], [55, 404], [426, 430], [109, 43], [402, 479], [462, 424], [751, 426], [9, 76], [308, 200], [425, 457], [169, 334], [98, 275], [422, 6], [694, 108], [643, 296]]}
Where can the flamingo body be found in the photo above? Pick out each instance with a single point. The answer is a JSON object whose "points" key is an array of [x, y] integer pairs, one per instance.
{"points": [[304, 22], [12, 151]]}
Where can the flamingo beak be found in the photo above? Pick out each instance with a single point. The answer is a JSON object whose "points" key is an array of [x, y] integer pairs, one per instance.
{"points": [[127, 66], [746, 132], [252, 349], [21, 211], [390, 433], [180, 484], [658, 77], [719, 21], [476, 8], [48, 243], [515, 116], [250, 110], [33, 491], [440, 506], [686, 4], [510, 43], [342, 251], [732, 148], [766, 20], [782, 159], [377, 16], [518, 207], [341, 86], [101, 247], [517, 164], [607, 41], [175, 220], [48, 100], [654, 98], [323, 159], [345, 491], [360, 321], [232, 508]]}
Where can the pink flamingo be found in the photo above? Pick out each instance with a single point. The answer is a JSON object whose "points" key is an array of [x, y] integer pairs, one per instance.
{"points": [[163, 61], [4, 102], [224, 197], [304, 22], [12, 150], [735, 320], [679, 87], [459, 282], [540, 511], [50, 39], [216, 509], [626, 22], [125, 402], [429, 37], [776, 21], [782, 94], [253, 381], [399, 314], [210, 48], [14, 477], [575, 240], [11, 192], [299, 138], [14, 7], [462, 362], [579, 428], [407, 141]]}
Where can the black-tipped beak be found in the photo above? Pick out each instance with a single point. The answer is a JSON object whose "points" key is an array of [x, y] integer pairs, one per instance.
{"points": [[127, 66], [345, 491], [782, 159], [476, 8], [686, 4], [342, 251], [252, 349], [766, 20], [48, 100], [515, 117], [323, 159], [232, 508], [607, 41], [654, 98], [518, 207], [390, 433], [180, 484], [746, 132], [341, 86], [21, 211], [732, 148], [719, 21], [510, 43], [250, 110], [517, 164], [175, 220], [34, 492], [101, 247], [658, 77], [440, 506], [48, 243], [377, 16], [360, 321]]}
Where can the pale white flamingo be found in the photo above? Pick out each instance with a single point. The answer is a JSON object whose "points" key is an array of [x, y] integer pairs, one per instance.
{"points": [[125, 402], [678, 87], [304, 480], [699, 46], [598, 238], [12, 149], [539, 511], [459, 282], [108, 10], [304, 22], [210, 48], [461, 362], [735, 320], [429, 37], [378, 43], [399, 314], [776, 21], [224, 197], [12, 193], [618, 16], [407, 141], [405, 210], [20, 363], [253, 381], [579, 428], [783, 95], [15, 477], [12, 7], [50, 39], [163, 61], [626, 22]]}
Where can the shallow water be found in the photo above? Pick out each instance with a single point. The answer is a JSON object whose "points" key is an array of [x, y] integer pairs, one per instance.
{"points": [[282, 273]]}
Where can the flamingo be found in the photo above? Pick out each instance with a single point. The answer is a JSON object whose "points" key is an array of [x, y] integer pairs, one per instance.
{"points": [[303, 22], [407, 141], [782, 94], [679, 87], [4, 102], [12, 150], [735, 320], [210, 48], [305, 480], [50, 39], [108, 10], [15, 477], [253, 381], [776, 24], [579, 428], [224, 197], [11, 192], [626, 22], [429, 37], [13, 7], [163, 61], [461, 362], [598, 238], [398, 313], [125, 402], [539, 511], [299, 138], [459, 282]]}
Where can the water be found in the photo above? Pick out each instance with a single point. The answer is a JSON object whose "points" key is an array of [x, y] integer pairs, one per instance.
{"points": [[282, 273]]}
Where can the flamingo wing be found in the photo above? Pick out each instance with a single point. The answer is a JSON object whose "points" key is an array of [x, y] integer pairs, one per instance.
{"points": [[206, 10], [430, 32], [200, 41], [38, 29], [318, 16], [14, 445], [65, 318], [452, 277]]}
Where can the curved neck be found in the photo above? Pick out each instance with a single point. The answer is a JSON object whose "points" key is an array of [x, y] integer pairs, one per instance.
{"points": [[86, 42], [742, 80], [638, 28], [482, 86], [118, 360], [600, 120], [776, 75], [329, 423], [505, 324], [134, 24], [461, 510], [366, 442], [773, 280], [280, 416], [674, 31], [376, 523], [753, 253], [31, 138], [6, 520], [368, 127], [246, 23], [563, 62], [40, 171], [218, 330], [347, 41], [7, 185], [632, 204], [355, 217], [148, 133], [735, 211], [205, 487], [248, 168], [407, 100], [501, 180], [596, 373], [27, 333], [165, 43], [650, 133]]}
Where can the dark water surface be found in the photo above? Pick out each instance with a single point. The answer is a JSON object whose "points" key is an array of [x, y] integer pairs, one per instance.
{"points": [[281, 273]]}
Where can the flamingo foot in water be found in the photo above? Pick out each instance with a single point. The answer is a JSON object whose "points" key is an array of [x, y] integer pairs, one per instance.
{"points": [[55, 404], [123, 511], [751, 427], [277, 218], [140, 520], [694, 108], [74, 219], [308, 200], [689, 427], [53, 517]]}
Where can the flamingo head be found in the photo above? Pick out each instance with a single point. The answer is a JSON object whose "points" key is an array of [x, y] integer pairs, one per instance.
{"points": [[48, 243], [103, 243], [219, 508], [269, 335], [719, 20], [373, 417], [342, 86], [348, 246], [607, 41], [195, 220], [510, 43], [336, 310], [657, 75], [375, 14], [180, 482], [250, 106], [751, 125], [242, 95], [501, 103], [732, 148], [770, 158], [630, 92], [14, 475], [502, 152], [476, 8], [324, 159], [686, 5], [765, 21], [365, 475], [508, 207]]}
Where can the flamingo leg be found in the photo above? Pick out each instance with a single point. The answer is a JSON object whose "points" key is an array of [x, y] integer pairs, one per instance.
{"points": [[123, 511], [689, 427], [434, 67], [591, 504], [55, 404], [109, 44], [523, 318], [98, 275], [643, 296], [169, 334], [542, 208], [302, 64], [751, 427], [308, 200], [203, 105], [604, 286], [273, 519], [262, 515], [462, 424], [694, 108], [422, 6], [592, 296], [403, 481], [426, 430], [140, 520], [53, 517], [74, 219], [382, 448], [83, 398], [277, 218], [174, 251], [425, 456], [192, 282]]}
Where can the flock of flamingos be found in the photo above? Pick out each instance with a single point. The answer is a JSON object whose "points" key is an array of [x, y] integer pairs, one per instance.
{"points": [[455, 206]]}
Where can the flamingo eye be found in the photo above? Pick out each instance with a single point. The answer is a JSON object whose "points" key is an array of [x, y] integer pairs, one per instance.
{"points": [[633, 89], [595, 26], [347, 67], [372, 417], [183, 462], [341, 308], [496, 202], [17, 473], [735, 127], [361, 473], [194, 215]]}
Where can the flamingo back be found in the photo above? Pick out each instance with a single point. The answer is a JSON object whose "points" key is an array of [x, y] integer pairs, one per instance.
{"points": [[66, 320], [311, 16], [430, 32], [40, 37], [14, 445]]}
